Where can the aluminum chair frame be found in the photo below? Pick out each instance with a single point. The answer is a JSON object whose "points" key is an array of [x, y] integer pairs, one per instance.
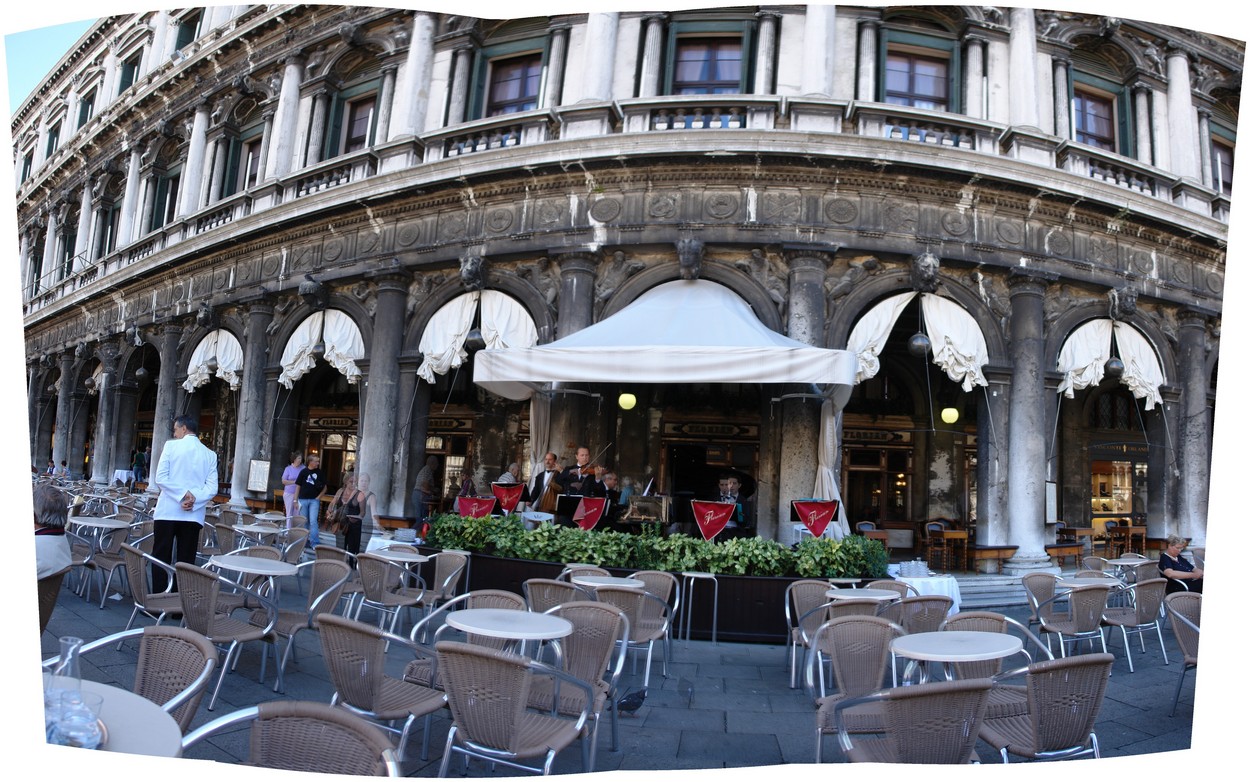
{"points": [[1185, 629]]}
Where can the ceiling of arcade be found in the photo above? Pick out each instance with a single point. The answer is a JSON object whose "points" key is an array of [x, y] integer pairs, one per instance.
{"points": [[635, 215]]}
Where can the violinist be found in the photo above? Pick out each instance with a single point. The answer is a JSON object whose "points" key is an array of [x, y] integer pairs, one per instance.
{"points": [[576, 479]]}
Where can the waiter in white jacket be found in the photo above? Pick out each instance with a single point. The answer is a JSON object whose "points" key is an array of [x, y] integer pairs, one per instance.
{"points": [[186, 477]]}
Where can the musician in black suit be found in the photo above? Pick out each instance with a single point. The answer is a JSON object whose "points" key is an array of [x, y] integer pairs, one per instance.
{"points": [[742, 523], [545, 485]]}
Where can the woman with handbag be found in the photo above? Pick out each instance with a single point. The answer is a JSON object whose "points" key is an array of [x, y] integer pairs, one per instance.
{"points": [[334, 520], [356, 509]]}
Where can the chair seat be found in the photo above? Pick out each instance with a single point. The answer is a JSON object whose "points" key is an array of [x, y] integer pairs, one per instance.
{"points": [[869, 718], [1013, 731], [882, 751], [166, 603], [396, 699], [1007, 700], [538, 733], [571, 699], [1125, 616], [226, 628]]}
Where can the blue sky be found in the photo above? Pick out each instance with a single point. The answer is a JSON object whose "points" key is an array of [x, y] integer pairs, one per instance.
{"points": [[31, 54]]}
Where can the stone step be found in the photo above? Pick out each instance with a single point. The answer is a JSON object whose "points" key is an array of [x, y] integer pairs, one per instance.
{"points": [[989, 591]]}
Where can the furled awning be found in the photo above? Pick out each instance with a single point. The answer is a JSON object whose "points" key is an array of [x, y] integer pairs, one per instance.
{"points": [[223, 347], [1087, 348], [958, 345], [505, 324], [343, 344], [685, 331]]}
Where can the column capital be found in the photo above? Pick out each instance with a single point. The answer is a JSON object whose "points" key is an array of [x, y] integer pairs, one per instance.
{"points": [[1195, 317], [767, 14], [1204, 113], [1029, 281], [1180, 49], [1140, 88], [800, 257], [578, 260], [396, 280]]}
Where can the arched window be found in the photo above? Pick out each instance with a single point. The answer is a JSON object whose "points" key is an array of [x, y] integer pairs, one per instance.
{"points": [[246, 140], [353, 115], [1101, 106], [1116, 409], [166, 178]]}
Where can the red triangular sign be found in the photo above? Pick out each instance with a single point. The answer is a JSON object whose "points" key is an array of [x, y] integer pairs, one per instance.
{"points": [[508, 494], [589, 511], [475, 507], [712, 516], [816, 514]]}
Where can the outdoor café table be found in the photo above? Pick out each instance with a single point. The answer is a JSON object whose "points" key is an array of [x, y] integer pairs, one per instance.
{"points": [[844, 581], [511, 625], [134, 724], [271, 569], [602, 581], [953, 646], [253, 534], [98, 527], [123, 476], [272, 515], [884, 595], [1073, 583], [936, 585], [1120, 563]]}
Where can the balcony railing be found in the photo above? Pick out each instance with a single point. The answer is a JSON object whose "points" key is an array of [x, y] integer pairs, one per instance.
{"points": [[502, 132], [1103, 166], [939, 129], [699, 112]]}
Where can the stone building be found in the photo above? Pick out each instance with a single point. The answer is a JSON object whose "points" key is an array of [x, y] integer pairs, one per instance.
{"points": [[302, 222]]}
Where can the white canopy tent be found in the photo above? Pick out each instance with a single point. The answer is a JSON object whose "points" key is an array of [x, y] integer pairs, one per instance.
{"points": [[684, 331]]}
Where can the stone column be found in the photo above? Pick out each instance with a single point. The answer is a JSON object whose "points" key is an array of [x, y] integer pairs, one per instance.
{"points": [[1193, 447], [29, 279], [766, 53], [282, 154], [993, 434], [1204, 147], [82, 241], [1063, 115], [193, 170], [457, 108], [217, 169], [127, 230], [249, 434], [571, 414], [64, 410], [1026, 448], [652, 55], [50, 241], [1163, 476], [386, 101], [800, 418], [105, 428], [416, 83], [33, 413], [599, 54], [266, 137], [1181, 114], [380, 420], [866, 84], [1023, 97], [556, 55], [166, 389], [974, 77], [77, 451], [124, 436], [317, 129], [1141, 119], [818, 50]]}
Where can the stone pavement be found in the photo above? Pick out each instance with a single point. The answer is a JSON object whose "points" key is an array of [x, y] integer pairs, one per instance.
{"points": [[725, 705]]}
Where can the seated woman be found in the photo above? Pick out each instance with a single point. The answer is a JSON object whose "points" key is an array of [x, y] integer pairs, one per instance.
{"points": [[1173, 566]]}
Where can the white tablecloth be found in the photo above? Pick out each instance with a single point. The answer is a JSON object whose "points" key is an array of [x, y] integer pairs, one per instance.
{"points": [[937, 585], [125, 476]]}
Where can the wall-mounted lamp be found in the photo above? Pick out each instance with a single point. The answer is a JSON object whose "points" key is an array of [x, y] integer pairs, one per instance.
{"points": [[1114, 368], [919, 345], [141, 374], [474, 341], [627, 401], [89, 383], [949, 415]]}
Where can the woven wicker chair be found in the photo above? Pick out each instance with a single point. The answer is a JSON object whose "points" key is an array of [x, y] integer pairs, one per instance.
{"points": [[155, 605], [902, 587], [324, 589], [649, 621], [1185, 616], [1093, 563], [384, 589], [801, 598], [923, 614], [1140, 616], [198, 590], [82, 556], [935, 723], [543, 594], [355, 656], [1084, 618], [487, 691], [353, 588], [1064, 697], [594, 653], [108, 559], [449, 568], [665, 586], [173, 668], [229, 602], [49, 587], [859, 650], [1039, 588], [1004, 700], [481, 598], [581, 570], [307, 736]]}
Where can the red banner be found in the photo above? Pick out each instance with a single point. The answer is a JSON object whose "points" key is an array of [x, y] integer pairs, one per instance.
{"points": [[508, 494], [712, 516], [475, 507], [816, 514], [589, 511]]}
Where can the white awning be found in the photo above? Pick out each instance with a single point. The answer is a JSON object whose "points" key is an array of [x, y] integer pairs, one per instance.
{"points": [[1087, 348], [505, 324], [827, 468], [343, 343], [868, 338], [685, 331], [959, 347], [223, 346]]}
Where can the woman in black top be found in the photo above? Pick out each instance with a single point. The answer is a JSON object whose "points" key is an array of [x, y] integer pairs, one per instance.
{"points": [[1173, 566]]}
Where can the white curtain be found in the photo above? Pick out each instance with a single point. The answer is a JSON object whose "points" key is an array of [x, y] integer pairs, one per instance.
{"points": [[442, 342], [505, 323], [1083, 355], [343, 343], [540, 426], [958, 344], [1142, 373], [223, 346], [826, 465], [871, 332]]}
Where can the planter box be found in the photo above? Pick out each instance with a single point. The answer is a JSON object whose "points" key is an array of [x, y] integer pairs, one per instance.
{"points": [[752, 608]]}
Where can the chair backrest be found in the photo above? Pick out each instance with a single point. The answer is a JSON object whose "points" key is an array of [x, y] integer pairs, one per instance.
{"points": [[1093, 563], [859, 647], [1038, 587], [864, 526], [197, 591], [1091, 574], [295, 540], [136, 562], [1111, 523], [801, 597], [49, 588], [1149, 598], [448, 569], [903, 588], [171, 659], [1085, 606], [355, 657], [581, 570], [543, 594], [596, 629], [980, 621], [324, 551], [1189, 606], [298, 521], [487, 692], [856, 607], [377, 576], [659, 583], [936, 722], [922, 614], [1144, 571], [639, 606], [326, 583], [1064, 697], [495, 598]]}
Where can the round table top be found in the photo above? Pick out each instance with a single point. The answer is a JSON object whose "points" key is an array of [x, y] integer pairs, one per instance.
{"points": [[844, 580], [862, 594], [603, 581], [255, 566], [1127, 561], [272, 515], [510, 623], [399, 555], [1070, 583], [257, 529], [956, 646], [135, 724], [98, 522]]}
